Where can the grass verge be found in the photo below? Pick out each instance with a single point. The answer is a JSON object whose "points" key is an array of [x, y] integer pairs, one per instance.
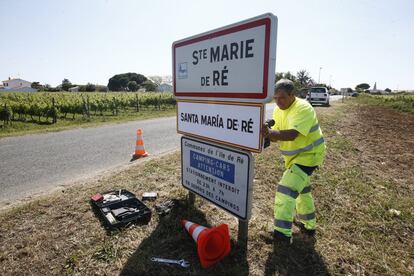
{"points": [[355, 193], [404, 103]]}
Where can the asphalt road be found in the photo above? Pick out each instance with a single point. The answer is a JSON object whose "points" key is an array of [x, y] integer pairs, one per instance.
{"points": [[38, 163], [33, 164]]}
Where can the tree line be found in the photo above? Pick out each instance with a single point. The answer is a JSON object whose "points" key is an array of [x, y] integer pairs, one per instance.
{"points": [[126, 82], [302, 80], [364, 87]]}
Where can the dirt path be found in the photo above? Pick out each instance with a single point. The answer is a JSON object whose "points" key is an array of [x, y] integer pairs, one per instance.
{"points": [[385, 141]]}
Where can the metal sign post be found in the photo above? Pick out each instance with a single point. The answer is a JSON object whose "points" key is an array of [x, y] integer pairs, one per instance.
{"points": [[242, 236], [344, 91]]}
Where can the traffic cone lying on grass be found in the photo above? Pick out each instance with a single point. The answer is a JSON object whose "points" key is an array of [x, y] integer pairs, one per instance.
{"points": [[212, 244], [139, 147]]}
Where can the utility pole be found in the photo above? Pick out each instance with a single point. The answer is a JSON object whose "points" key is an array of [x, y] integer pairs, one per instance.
{"points": [[319, 78]]}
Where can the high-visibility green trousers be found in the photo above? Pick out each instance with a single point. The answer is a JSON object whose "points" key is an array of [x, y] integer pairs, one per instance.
{"points": [[293, 192]]}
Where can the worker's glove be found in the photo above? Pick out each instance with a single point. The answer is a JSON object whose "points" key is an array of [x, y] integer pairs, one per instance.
{"points": [[268, 124]]}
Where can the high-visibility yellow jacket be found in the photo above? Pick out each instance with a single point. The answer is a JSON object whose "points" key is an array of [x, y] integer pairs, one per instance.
{"points": [[308, 149]]}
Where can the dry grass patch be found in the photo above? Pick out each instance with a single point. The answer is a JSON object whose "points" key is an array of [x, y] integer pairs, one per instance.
{"points": [[354, 192]]}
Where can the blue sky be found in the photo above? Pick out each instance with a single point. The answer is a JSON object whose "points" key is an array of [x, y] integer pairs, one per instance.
{"points": [[90, 41]]}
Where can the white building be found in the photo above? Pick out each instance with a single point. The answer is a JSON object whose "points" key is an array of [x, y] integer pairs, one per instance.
{"points": [[16, 83], [165, 87], [74, 89]]}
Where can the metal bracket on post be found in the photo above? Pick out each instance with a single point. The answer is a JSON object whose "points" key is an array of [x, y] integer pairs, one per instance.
{"points": [[242, 236]]}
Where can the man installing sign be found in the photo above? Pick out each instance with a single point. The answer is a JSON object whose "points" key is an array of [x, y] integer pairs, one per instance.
{"points": [[302, 145]]}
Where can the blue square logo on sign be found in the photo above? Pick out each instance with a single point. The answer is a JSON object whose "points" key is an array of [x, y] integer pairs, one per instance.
{"points": [[182, 70]]}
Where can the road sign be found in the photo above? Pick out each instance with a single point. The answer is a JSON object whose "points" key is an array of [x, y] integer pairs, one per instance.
{"points": [[232, 124], [219, 174], [232, 63]]}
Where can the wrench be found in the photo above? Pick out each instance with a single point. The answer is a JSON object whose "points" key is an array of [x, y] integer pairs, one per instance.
{"points": [[182, 262]]}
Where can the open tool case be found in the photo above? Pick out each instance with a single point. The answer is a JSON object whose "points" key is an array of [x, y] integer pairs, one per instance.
{"points": [[120, 207]]}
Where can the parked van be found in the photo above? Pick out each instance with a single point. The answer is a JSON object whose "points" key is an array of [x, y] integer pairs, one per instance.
{"points": [[318, 95]]}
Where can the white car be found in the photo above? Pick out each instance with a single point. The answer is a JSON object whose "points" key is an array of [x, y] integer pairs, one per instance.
{"points": [[318, 95]]}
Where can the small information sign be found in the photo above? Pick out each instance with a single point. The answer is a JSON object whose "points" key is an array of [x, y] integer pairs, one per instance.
{"points": [[219, 174]]}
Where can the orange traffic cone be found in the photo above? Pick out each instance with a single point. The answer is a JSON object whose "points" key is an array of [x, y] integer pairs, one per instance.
{"points": [[212, 244], [139, 147]]}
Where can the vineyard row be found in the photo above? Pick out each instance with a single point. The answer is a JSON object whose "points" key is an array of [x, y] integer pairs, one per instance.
{"points": [[17, 106]]}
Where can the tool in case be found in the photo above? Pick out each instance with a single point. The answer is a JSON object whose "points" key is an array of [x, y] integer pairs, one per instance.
{"points": [[120, 207]]}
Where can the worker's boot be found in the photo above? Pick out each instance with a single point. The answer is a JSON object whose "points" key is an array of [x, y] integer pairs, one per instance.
{"points": [[307, 235], [281, 246], [280, 239], [276, 238], [303, 230]]}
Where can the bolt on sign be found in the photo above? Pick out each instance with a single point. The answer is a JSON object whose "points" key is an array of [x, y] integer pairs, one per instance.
{"points": [[232, 63], [219, 174]]}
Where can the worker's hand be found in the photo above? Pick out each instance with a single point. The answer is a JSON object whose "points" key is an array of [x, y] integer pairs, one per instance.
{"points": [[265, 131]]}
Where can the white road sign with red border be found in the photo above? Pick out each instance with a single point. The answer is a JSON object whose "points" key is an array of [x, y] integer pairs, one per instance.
{"points": [[233, 63]]}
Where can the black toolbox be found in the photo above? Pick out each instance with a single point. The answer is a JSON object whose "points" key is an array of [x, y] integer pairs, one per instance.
{"points": [[119, 208]]}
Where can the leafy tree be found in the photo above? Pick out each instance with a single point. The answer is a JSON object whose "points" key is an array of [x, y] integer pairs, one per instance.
{"points": [[123, 81], [66, 84], [101, 88], [114, 84], [136, 77], [120, 82], [149, 85], [90, 87], [285, 75], [324, 85], [133, 86], [36, 85], [387, 90], [49, 88], [362, 86], [304, 78]]}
